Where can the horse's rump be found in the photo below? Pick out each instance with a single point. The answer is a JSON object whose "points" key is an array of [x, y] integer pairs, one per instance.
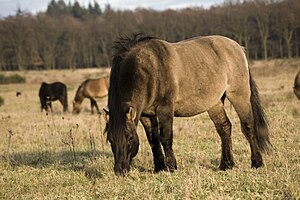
{"points": [[211, 66], [96, 88]]}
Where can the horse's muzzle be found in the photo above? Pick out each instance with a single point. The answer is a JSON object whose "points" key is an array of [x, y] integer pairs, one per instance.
{"points": [[75, 112], [122, 169]]}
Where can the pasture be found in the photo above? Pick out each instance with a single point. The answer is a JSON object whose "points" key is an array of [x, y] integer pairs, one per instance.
{"points": [[66, 156]]}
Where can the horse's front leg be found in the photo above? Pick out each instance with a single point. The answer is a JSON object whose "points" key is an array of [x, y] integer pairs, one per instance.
{"points": [[150, 125], [43, 105], [50, 105], [165, 116], [92, 106], [96, 105]]}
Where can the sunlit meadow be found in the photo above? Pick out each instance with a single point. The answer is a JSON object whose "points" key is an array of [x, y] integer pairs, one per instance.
{"points": [[66, 156]]}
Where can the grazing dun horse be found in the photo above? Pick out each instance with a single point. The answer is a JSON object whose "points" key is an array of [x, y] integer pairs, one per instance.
{"points": [[91, 89], [153, 80]]}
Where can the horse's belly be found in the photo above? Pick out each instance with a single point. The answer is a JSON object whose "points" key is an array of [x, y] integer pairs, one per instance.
{"points": [[190, 104], [190, 107], [197, 93], [101, 94]]}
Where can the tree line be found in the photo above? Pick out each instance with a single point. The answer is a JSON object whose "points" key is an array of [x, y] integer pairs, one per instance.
{"points": [[69, 36]]}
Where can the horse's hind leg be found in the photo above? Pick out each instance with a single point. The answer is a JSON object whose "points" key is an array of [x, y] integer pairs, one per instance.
{"points": [[64, 103], [243, 108], [218, 116], [150, 125]]}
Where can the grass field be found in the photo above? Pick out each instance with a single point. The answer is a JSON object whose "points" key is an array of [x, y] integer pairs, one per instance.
{"points": [[65, 156]]}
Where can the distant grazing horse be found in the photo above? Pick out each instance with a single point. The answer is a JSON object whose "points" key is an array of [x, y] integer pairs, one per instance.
{"points": [[91, 89], [297, 85], [18, 93], [52, 92], [153, 80]]}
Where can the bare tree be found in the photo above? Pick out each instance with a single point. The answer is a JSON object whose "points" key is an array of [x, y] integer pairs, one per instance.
{"points": [[47, 36], [262, 17]]}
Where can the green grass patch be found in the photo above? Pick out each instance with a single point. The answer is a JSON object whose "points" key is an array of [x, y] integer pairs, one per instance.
{"points": [[1, 101], [14, 78]]}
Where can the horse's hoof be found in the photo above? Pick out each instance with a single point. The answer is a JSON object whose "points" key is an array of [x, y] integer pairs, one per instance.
{"points": [[226, 165], [171, 169], [257, 163], [159, 168]]}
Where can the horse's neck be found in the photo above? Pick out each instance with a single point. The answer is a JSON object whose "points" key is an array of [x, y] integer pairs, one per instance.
{"points": [[79, 95]]}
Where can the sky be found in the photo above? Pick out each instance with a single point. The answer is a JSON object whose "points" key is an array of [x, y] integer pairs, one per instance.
{"points": [[9, 7]]}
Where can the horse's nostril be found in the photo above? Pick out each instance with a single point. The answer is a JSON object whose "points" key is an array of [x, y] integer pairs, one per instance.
{"points": [[122, 171], [119, 173]]}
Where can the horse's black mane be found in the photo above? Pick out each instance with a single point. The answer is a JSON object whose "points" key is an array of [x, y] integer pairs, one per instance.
{"points": [[117, 115], [125, 43]]}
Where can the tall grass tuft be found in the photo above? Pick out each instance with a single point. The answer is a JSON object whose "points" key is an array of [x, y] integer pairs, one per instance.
{"points": [[9, 157]]}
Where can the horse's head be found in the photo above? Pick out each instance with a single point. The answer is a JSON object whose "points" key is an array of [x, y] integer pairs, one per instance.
{"points": [[76, 107], [123, 138]]}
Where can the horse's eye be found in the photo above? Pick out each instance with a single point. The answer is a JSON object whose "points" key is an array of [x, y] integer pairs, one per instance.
{"points": [[130, 138], [129, 145], [129, 141]]}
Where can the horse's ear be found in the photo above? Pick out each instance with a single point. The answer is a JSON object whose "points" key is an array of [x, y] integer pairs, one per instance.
{"points": [[131, 114], [106, 114]]}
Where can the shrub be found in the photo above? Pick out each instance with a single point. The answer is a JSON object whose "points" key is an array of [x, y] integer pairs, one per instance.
{"points": [[1, 101], [14, 78]]}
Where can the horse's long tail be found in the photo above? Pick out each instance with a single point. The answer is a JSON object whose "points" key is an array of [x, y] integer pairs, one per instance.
{"points": [[261, 129]]}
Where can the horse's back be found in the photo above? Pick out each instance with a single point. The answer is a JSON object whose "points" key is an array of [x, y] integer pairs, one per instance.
{"points": [[205, 69], [96, 88], [212, 52], [58, 89]]}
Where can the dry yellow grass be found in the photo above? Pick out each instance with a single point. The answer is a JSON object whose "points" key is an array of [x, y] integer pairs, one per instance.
{"points": [[53, 156]]}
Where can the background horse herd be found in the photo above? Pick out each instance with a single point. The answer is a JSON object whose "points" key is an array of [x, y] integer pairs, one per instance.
{"points": [[149, 82], [90, 88]]}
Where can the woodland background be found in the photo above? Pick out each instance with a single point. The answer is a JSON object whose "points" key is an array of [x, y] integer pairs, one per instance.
{"points": [[69, 36]]}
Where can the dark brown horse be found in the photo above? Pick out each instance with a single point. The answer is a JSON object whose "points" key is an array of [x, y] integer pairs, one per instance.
{"points": [[297, 85], [52, 92], [153, 80], [91, 89]]}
